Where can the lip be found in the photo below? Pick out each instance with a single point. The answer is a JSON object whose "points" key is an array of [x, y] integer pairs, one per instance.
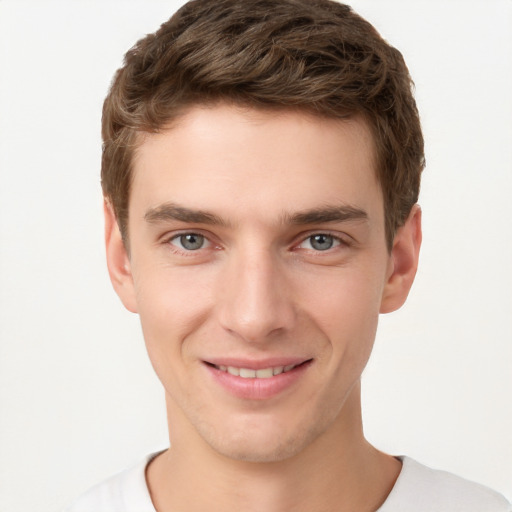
{"points": [[254, 364], [253, 388]]}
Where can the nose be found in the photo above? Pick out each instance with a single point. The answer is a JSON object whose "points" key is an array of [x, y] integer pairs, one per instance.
{"points": [[256, 302]]}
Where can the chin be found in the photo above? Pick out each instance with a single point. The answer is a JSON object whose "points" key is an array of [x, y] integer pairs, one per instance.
{"points": [[262, 452], [261, 443]]}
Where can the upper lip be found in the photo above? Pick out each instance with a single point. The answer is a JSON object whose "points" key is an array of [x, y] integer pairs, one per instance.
{"points": [[254, 364]]}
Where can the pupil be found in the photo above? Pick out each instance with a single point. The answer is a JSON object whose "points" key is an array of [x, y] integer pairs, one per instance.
{"points": [[321, 242], [192, 242]]}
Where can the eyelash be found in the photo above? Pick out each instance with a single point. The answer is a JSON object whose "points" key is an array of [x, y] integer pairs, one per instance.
{"points": [[339, 242], [184, 251]]}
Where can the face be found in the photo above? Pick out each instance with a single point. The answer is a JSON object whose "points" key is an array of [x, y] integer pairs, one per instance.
{"points": [[258, 266]]}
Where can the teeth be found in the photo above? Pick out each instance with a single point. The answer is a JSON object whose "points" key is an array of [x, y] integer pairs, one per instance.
{"points": [[278, 369], [233, 371], [247, 373], [264, 374]]}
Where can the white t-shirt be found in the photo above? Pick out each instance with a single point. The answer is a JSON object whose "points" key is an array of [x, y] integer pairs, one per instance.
{"points": [[417, 489]]}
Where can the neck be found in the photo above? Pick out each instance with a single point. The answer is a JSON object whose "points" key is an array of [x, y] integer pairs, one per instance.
{"points": [[338, 471]]}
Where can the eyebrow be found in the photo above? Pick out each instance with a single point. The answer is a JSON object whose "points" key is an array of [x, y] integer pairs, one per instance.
{"points": [[171, 212], [342, 213]]}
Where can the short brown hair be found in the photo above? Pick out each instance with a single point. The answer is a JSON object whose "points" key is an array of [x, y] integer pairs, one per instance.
{"points": [[313, 55]]}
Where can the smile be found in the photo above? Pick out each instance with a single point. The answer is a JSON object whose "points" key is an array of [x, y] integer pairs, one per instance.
{"points": [[257, 380], [248, 373]]}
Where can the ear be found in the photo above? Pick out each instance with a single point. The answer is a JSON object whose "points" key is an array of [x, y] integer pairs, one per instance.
{"points": [[403, 262], [118, 261]]}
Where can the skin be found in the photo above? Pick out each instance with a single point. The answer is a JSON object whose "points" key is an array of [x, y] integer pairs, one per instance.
{"points": [[257, 287]]}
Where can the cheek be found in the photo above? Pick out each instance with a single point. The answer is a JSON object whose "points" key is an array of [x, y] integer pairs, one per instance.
{"points": [[172, 303], [346, 297], [345, 307]]}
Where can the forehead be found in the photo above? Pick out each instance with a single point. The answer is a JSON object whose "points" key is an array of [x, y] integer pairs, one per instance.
{"points": [[237, 160]]}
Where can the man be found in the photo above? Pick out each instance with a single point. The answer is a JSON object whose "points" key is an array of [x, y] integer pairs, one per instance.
{"points": [[261, 170]]}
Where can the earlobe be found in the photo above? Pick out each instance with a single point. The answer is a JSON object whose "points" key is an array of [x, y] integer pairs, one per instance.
{"points": [[403, 262], [118, 262]]}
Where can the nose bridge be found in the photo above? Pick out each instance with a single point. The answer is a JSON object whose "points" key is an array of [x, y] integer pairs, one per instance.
{"points": [[255, 298]]}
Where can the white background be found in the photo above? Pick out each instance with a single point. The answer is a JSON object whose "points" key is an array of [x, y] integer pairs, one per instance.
{"points": [[77, 394]]}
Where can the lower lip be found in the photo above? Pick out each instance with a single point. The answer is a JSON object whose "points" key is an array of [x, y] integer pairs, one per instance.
{"points": [[257, 389]]}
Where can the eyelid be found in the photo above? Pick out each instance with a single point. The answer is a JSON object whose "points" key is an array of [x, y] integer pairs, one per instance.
{"points": [[208, 238], [206, 243], [336, 243], [342, 239]]}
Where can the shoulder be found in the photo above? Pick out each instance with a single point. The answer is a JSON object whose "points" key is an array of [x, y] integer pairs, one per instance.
{"points": [[126, 491], [424, 489]]}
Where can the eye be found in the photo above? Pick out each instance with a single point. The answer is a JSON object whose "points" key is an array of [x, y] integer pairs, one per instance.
{"points": [[190, 241], [320, 242]]}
